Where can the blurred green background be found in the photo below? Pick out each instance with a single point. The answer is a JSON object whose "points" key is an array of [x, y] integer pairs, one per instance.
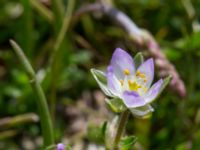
{"points": [[74, 98]]}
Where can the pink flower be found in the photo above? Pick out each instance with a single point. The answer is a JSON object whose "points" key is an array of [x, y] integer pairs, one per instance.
{"points": [[129, 83]]}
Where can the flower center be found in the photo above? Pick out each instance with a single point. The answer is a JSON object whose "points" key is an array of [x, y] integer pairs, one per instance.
{"points": [[133, 85], [136, 83]]}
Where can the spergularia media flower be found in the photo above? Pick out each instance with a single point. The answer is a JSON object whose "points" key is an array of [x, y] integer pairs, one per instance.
{"points": [[130, 82]]}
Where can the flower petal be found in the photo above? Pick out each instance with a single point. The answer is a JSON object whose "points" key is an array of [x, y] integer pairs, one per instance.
{"points": [[142, 111], [131, 99], [120, 61], [100, 77], [147, 68], [153, 91], [112, 82]]}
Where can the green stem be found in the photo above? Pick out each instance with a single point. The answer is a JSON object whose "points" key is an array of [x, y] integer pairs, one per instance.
{"points": [[58, 10], [27, 42], [54, 68], [46, 124], [7, 134], [63, 29], [18, 120], [45, 12], [51, 147], [120, 128]]}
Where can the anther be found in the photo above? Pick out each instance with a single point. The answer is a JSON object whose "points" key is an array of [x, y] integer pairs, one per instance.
{"points": [[121, 82], [126, 72], [130, 82], [145, 89], [137, 73], [141, 75]]}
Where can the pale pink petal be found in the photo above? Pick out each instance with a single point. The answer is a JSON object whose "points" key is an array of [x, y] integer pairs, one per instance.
{"points": [[132, 100], [120, 61], [147, 68], [153, 91]]}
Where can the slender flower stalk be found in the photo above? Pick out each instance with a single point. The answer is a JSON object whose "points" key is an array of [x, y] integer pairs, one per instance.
{"points": [[121, 126], [46, 124], [45, 12], [54, 69], [65, 25]]}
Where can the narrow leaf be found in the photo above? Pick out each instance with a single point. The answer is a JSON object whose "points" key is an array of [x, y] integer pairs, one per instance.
{"points": [[138, 59], [165, 83], [127, 143], [116, 105], [103, 130], [102, 81]]}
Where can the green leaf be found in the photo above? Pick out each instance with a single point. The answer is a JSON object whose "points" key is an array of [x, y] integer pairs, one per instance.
{"points": [[138, 59], [102, 81], [165, 83], [81, 57], [94, 133], [103, 129], [116, 105], [127, 143]]}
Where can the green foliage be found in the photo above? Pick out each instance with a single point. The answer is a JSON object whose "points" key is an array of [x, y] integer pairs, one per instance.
{"points": [[116, 105], [127, 143], [96, 133], [103, 129], [138, 59], [100, 77]]}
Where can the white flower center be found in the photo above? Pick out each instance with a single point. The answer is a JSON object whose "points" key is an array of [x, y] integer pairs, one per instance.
{"points": [[134, 82]]}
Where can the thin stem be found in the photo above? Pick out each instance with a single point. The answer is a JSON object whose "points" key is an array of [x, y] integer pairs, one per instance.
{"points": [[54, 70], [58, 11], [191, 14], [27, 42], [17, 120], [7, 134], [45, 12], [64, 28], [50, 147], [46, 124], [120, 128]]}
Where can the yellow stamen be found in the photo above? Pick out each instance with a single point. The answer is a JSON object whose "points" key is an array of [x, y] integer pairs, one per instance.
{"points": [[121, 82], [141, 75], [145, 80], [137, 73], [126, 72], [133, 85], [145, 89]]}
